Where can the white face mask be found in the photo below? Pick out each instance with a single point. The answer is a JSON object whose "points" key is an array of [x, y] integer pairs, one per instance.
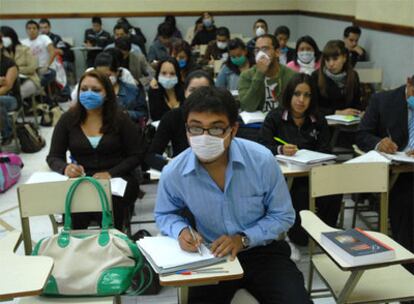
{"points": [[261, 54], [113, 79], [221, 45], [6, 41], [260, 31], [306, 56], [167, 82], [207, 147]]}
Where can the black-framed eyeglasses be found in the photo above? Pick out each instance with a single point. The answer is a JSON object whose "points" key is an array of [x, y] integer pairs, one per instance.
{"points": [[213, 131]]}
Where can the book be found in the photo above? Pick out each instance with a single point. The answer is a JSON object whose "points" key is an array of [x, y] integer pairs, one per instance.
{"points": [[307, 158], [344, 119], [399, 157], [253, 117], [166, 256], [357, 247], [369, 157]]}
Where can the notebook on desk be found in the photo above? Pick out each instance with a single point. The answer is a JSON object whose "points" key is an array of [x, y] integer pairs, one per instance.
{"points": [[344, 119], [165, 255], [307, 158], [253, 117]]}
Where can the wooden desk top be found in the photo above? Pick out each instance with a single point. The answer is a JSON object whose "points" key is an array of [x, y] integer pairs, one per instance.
{"points": [[234, 269], [293, 171], [21, 275]]}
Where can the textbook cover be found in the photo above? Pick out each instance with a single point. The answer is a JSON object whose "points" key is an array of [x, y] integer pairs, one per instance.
{"points": [[357, 247]]}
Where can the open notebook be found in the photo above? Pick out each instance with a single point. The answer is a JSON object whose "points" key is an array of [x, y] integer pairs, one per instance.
{"points": [[375, 156], [165, 255], [307, 158], [344, 119]]}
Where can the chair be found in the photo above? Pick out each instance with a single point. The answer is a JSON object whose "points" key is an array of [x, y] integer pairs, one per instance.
{"points": [[48, 199], [14, 115], [375, 283], [372, 76]]}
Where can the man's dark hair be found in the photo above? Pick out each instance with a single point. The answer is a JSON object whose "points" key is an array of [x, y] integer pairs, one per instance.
{"points": [[283, 29], [198, 74], [352, 29], [212, 100], [275, 43], [32, 22], [108, 59], [44, 20], [165, 30], [260, 21], [120, 26], [97, 19], [123, 43], [223, 31]]}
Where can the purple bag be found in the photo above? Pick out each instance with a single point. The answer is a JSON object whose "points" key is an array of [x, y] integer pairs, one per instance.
{"points": [[10, 167]]}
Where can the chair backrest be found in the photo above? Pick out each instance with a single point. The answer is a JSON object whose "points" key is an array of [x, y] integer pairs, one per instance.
{"points": [[69, 40], [49, 198], [349, 178], [370, 75]]}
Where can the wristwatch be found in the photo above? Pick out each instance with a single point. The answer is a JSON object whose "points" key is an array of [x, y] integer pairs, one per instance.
{"points": [[245, 240]]}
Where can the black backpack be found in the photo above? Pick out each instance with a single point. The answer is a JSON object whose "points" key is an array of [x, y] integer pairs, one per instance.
{"points": [[29, 137]]}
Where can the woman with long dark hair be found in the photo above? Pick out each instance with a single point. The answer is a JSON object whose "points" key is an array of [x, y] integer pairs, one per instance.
{"points": [[299, 123], [307, 56], [103, 143], [166, 91]]}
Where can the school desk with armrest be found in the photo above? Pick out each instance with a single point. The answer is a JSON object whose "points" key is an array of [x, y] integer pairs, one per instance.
{"points": [[49, 198], [21, 275], [381, 282], [234, 272]]}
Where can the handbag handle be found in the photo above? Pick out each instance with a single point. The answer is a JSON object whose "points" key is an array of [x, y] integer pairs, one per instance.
{"points": [[63, 239]]}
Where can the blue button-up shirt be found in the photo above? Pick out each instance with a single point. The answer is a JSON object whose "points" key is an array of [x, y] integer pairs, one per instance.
{"points": [[255, 200]]}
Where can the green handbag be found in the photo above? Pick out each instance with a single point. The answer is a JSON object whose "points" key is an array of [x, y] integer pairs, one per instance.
{"points": [[90, 262]]}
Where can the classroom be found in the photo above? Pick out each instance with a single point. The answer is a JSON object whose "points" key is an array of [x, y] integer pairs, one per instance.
{"points": [[182, 151]]}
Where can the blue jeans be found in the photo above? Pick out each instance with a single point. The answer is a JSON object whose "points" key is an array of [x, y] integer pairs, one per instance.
{"points": [[7, 103]]}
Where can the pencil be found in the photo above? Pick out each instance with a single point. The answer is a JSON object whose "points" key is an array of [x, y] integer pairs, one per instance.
{"points": [[280, 140]]}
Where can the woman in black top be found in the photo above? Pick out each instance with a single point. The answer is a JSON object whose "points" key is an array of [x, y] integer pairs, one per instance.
{"points": [[172, 125], [166, 91], [103, 143], [182, 53], [299, 123], [337, 83]]}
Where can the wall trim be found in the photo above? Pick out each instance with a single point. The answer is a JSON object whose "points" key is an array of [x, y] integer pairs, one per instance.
{"points": [[378, 26]]}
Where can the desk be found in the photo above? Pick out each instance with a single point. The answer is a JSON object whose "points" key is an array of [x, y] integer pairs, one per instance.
{"points": [[234, 269], [290, 173], [397, 169], [337, 128], [21, 275]]}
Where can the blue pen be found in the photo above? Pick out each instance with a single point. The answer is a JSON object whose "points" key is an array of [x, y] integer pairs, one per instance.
{"points": [[73, 161]]}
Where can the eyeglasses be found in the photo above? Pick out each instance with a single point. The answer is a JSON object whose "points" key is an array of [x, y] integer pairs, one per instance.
{"points": [[214, 131], [263, 48]]}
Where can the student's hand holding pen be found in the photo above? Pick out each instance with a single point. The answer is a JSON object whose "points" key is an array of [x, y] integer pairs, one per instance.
{"points": [[188, 242], [289, 149], [74, 170]]}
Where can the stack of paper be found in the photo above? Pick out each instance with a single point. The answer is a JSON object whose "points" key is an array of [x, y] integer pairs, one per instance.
{"points": [[344, 119], [253, 117], [399, 157], [306, 158], [165, 255], [369, 157]]}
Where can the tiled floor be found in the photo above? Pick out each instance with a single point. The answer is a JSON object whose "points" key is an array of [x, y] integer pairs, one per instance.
{"points": [[9, 219]]}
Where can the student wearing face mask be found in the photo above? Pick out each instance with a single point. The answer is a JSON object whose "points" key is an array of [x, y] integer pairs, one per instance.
{"points": [[182, 53], [172, 125], [307, 56], [218, 48], [259, 29], [103, 143], [236, 63], [168, 91], [239, 199], [388, 126], [208, 33], [299, 123], [338, 85], [282, 34], [261, 86]]}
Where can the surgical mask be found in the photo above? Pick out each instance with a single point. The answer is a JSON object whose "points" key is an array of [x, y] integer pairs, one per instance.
{"points": [[221, 45], [113, 79], [410, 102], [6, 41], [239, 61], [167, 82], [306, 56], [261, 54], [91, 100], [260, 31], [207, 22], [207, 147], [182, 63]]}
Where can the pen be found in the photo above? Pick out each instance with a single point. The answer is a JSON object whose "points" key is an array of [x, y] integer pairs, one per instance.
{"points": [[280, 140], [389, 133], [73, 161], [187, 272], [194, 239]]}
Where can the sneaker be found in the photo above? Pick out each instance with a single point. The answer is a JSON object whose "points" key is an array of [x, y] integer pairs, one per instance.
{"points": [[295, 255]]}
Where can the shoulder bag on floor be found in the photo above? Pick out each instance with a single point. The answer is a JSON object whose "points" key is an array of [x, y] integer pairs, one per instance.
{"points": [[90, 262], [10, 167], [30, 139]]}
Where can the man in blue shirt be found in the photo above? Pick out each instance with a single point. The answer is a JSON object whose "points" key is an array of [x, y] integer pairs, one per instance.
{"points": [[239, 199]]}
